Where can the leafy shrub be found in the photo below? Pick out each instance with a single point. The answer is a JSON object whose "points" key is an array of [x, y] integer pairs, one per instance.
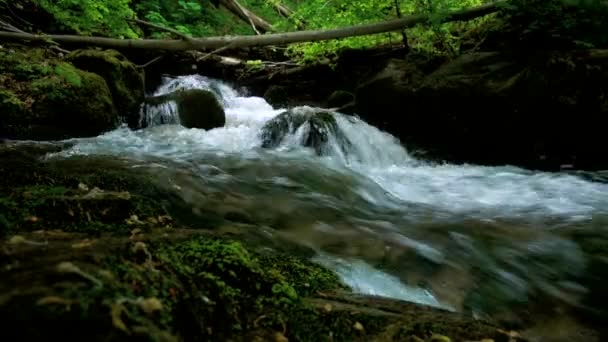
{"points": [[561, 23], [92, 17]]}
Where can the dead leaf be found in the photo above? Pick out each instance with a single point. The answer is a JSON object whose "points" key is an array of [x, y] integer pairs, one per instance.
{"points": [[151, 305], [358, 326], [279, 337], [115, 312], [16, 240], [133, 220], [106, 274], [136, 233], [56, 300], [440, 338], [83, 244], [83, 187]]}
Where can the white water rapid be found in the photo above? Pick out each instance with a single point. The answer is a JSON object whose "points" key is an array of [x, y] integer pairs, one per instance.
{"points": [[389, 224]]}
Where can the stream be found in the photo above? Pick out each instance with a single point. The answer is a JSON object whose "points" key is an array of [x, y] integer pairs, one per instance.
{"points": [[460, 237]]}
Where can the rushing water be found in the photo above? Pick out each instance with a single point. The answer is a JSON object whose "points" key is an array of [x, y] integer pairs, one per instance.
{"points": [[389, 224]]}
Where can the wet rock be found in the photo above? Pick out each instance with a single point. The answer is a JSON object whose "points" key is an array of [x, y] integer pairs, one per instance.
{"points": [[340, 98], [318, 129], [197, 108], [276, 96], [122, 77], [43, 98], [532, 109]]}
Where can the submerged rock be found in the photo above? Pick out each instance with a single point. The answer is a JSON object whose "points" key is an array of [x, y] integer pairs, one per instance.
{"points": [[197, 108], [43, 98], [122, 77], [319, 128], [532, 109]]}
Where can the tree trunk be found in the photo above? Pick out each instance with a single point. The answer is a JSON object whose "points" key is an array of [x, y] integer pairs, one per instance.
{"points": [[258, 24], [249, 41]]}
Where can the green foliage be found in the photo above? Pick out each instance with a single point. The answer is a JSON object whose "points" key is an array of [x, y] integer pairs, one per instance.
{"points": [[577, 21], [92, 17], [68, 73], [433, 38], [565, 23], [191, 17]]}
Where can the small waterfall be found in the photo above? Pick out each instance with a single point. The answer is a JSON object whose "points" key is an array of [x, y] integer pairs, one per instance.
{"points": [[162, 114]]}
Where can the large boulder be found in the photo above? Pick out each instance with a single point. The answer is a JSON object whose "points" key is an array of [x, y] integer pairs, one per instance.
{"points": [[534, 109], [122, 77], [43, 98], [196, 108], [319, 128]]}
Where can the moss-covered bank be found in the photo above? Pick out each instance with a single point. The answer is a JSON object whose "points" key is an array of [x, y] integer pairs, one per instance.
{"points": [[124, 80], [94, 250], [46, 96]]}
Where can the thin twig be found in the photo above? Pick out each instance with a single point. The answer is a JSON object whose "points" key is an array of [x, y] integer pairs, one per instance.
{"points": [[216, 51], [160, 27], [156, 59], [55, 47], [8, 6], [8, 27]]}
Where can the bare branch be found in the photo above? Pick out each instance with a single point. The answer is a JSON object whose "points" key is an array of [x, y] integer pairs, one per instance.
{"points": [[143, 66]]}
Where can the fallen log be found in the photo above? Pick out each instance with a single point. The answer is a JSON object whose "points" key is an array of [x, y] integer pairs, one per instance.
{"points": [[210, 43]]}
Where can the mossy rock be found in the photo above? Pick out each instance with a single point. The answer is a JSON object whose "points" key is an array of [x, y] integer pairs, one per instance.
{"points": [[195, 288], [277, 96], [197, 108], [90, 195], [10, 105], [321, 126], [122, 77], [44, 98]]}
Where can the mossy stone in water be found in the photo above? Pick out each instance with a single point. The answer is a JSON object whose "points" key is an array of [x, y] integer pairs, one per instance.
{"points": [[124, 80], [82, 107], [197, 108], [276, 96], [321, 126]]}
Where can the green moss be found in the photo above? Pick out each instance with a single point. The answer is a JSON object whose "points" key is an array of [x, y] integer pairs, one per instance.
{"points": [[77, 195], [124, 80], [59, 100], [306, 277], [10, 104]]}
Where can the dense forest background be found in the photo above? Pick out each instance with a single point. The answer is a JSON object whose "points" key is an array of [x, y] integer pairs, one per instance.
{"points": [[578, 21]]}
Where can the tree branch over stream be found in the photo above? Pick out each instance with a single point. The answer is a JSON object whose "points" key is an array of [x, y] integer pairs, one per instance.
{"points": [[211, 43]]}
